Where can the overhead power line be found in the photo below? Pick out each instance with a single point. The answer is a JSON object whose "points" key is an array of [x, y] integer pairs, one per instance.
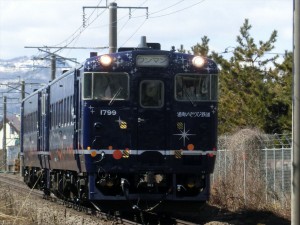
{"points": [[113, 21], [53, 54], [79, 31], [65, 47], [179, 10]]}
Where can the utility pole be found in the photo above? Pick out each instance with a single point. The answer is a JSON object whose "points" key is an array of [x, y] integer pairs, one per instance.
{"points": [[12, 86], [295, 217], [21, 141], [53, 58], [22, 90], [4, 135], [53, 66], [113, 23]]}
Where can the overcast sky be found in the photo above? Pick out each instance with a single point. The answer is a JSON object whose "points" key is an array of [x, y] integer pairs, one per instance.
{"points": [[37, 23]]}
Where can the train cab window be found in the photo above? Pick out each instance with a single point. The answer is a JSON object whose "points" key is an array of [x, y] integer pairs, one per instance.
{"points": [[152, 94], [192, 87], [87, 85], [106, 86]]}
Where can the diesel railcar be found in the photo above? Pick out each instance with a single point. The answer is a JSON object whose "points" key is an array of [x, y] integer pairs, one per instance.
{"points": [[131, 129]]}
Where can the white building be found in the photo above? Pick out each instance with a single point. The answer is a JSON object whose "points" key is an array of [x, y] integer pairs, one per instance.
{"points": [[13, 126]]}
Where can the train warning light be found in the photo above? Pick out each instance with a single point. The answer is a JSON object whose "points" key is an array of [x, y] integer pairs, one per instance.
{"points": [[210, 155], [117, 154], [93, 154], [190, 147]]}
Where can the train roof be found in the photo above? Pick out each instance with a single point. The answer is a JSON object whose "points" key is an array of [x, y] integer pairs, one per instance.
{"points": [[64, 74], [127, 61]]}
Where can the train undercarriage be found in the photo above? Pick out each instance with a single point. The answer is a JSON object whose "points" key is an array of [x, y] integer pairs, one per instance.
{"points": [[144, 191]]}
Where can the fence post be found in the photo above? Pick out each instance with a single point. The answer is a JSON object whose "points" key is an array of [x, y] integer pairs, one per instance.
{"points": [[282, 176], [245, 201], [266, 170]]}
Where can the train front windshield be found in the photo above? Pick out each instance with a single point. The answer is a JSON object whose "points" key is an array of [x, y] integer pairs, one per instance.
{"points": [[195, 87], [106, 86]]}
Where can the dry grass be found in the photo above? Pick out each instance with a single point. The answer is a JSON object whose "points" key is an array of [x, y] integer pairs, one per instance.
{"points": [[18, 209], [9, 209], [244, 186]]}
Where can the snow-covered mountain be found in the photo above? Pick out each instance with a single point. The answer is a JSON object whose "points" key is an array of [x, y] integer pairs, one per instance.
{"points": [[18, 64], [35, 72], [28, 68]]}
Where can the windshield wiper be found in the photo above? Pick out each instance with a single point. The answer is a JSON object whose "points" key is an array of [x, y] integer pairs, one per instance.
{"points": [[115, 96], [190, 98]]}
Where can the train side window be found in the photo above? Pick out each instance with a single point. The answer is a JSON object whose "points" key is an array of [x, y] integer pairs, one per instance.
{"points": [[67, 110], [152, 94], [25, 121], [32, 122], [60, 114], [56, 114], [51, 118], [71, 110], [28, 123], [192, 87], [35, 122]]}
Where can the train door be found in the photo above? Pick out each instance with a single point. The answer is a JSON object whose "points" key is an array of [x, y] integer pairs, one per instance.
{"points": [[152, 114], [43, 128]]}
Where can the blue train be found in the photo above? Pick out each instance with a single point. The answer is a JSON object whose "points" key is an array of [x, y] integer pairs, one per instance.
{"points": [[133, 129]]}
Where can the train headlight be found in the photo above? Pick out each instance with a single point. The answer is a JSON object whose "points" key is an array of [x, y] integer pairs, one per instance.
{"points": [[198, 61], [105, 60]]}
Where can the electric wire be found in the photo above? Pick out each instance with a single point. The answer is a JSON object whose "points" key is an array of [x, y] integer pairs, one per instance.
{"points": [[168, 7], [76, 35], [177, 11], [167, 14], [134, 32], [80, 30]]}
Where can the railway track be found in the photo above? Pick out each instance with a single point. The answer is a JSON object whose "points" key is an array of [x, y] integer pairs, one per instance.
{"points": [[15, 183]]}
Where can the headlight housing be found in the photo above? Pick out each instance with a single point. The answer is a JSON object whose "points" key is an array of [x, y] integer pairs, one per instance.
{"points": [[105, 60], [198, 61]]}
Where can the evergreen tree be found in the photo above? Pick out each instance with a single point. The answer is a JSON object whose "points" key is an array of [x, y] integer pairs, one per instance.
{"points": [[254, 90], [279, 106], [244, 93], [203, 48]]}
